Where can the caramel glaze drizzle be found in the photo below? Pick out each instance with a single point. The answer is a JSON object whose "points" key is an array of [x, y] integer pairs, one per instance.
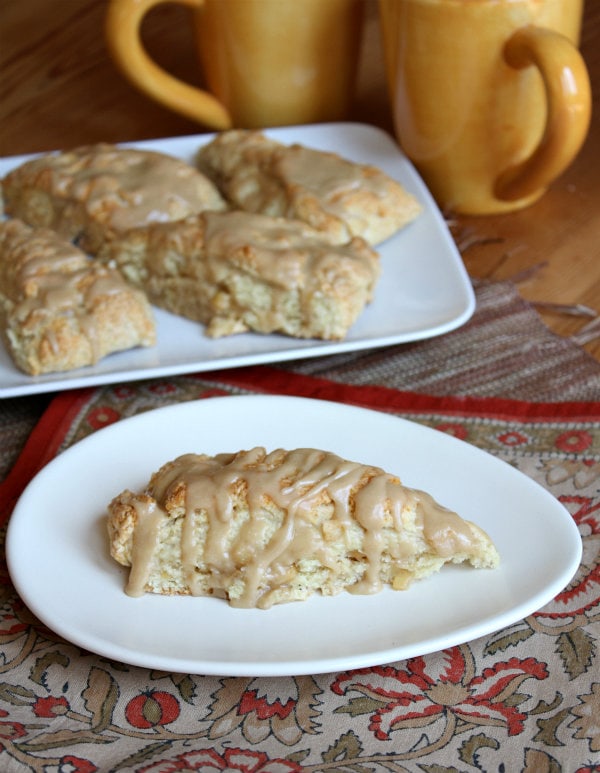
{"points": [[52, 277], [295, 481]]}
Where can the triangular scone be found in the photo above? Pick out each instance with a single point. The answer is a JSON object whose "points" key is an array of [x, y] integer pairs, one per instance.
{"points": [[336, 196], [235, 271], [61, 310], [93, 192], [262, 528]]}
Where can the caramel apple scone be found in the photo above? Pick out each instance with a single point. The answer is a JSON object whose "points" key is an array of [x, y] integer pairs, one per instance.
{"points": [[336, 196], [59, 310], [235, 271], [93, 192], [259, 529]]}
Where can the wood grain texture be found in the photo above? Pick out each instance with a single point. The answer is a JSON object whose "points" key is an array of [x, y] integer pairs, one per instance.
{"points": [[59, 88]]}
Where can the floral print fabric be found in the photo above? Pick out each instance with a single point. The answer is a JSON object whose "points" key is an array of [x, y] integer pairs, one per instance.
{"points": [[525, 698]]}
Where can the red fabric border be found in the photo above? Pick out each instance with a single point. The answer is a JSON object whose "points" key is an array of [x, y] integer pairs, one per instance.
{"points": [[41, 446], [50, 432], [269, 379]]}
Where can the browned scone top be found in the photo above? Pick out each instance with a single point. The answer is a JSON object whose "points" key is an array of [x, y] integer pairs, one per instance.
{"points": [[60, 310], [262, 528], [336, 196], [93, 192], [236, 271]]}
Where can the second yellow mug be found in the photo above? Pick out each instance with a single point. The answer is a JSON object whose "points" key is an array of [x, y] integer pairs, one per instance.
{"points": [[265, 62], [491, 98]]}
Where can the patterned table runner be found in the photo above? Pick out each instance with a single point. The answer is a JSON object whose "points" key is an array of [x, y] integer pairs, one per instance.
{"points": [[504, 350], [524, 698]]}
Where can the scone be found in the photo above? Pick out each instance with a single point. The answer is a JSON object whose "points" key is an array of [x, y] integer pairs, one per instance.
{"points": [[59, 309], [260, 529], [94, 192], [235, 271], [340, 198]]}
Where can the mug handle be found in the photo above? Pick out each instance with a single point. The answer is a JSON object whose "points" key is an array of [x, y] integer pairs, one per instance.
{"points": [[568, 96], [122, 26]]}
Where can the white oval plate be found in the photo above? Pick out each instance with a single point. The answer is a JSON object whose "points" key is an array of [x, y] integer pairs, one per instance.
{"points": [[57, 547]]}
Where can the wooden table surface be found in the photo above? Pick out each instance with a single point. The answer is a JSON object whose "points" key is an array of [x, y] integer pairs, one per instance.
{"points": [[58, 89]]}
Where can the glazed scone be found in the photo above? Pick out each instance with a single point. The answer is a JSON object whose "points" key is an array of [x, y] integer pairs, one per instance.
{"points": [[94, 192], [339, 198], [59, 310], [235, 271], [260, 529]]}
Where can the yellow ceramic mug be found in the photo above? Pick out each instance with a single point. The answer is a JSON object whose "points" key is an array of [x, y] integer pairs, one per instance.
{"points": [[265, 62], [491, 98]]}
